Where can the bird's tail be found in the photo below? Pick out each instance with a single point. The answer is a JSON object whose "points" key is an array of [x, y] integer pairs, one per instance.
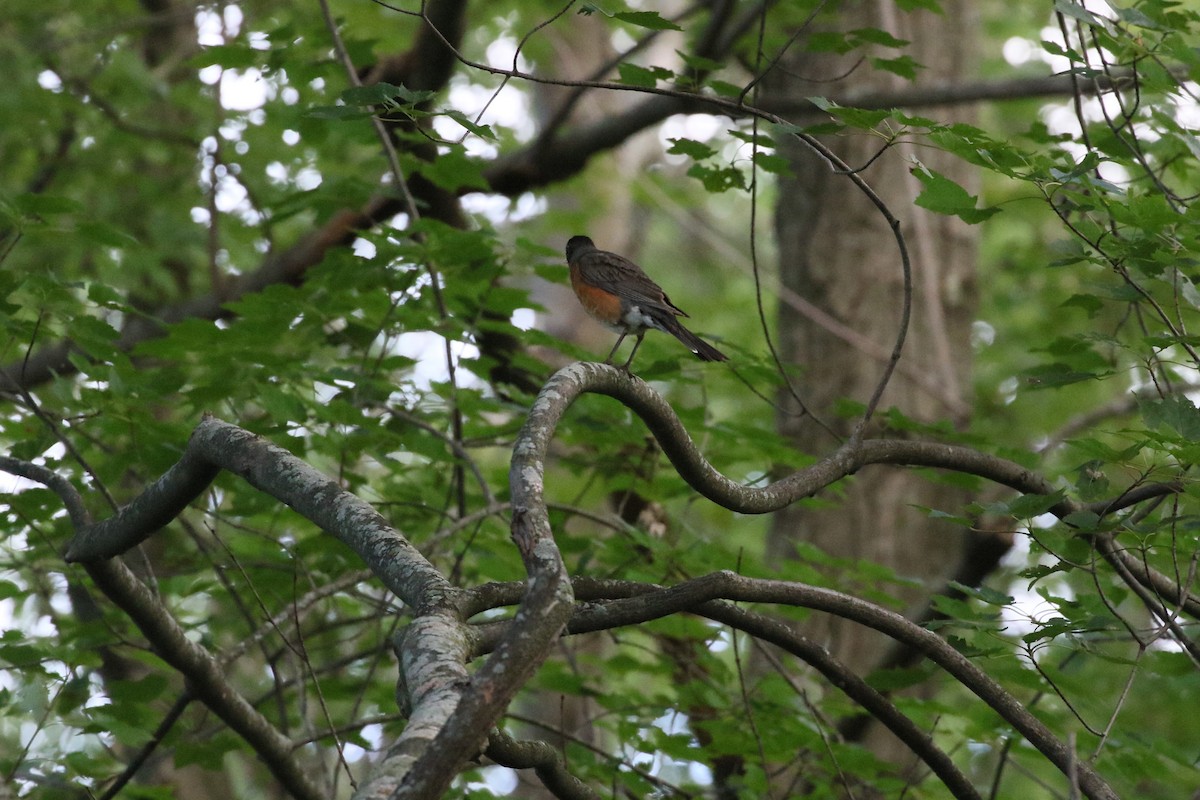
{"points": [[703, 350]]}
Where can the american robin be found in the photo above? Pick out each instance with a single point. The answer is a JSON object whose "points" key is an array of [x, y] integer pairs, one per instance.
{"points": [[615, 291]]}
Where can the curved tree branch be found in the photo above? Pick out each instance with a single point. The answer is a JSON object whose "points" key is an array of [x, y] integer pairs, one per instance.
{"points": [[217, 445], [454, 717], [545, 608], [544, 760], [566, 385], [738, 588], [451, 712]]}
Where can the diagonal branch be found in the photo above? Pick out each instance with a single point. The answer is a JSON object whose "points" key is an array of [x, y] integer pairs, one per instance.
{"points": [[205, 674], [631, 603], [432, 649], [712, 595], [845, 680], [706, 591], [451, 711], [217, 445], [547, 160], [287, 266]]}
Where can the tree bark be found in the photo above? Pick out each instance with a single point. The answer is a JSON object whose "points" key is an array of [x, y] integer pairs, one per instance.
{"points": [[837, 252]]}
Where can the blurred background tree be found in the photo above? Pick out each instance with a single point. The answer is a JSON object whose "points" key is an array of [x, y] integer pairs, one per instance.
{"points": [[340, 227]]}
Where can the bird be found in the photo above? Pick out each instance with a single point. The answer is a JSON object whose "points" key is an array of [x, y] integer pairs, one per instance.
{"points": [[620, 295]]}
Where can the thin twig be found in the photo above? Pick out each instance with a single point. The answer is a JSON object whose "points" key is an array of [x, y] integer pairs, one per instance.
{"points": [[410, 204]]}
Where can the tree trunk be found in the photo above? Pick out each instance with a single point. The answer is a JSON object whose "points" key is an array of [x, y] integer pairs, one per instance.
{"points": [[837, 252]]}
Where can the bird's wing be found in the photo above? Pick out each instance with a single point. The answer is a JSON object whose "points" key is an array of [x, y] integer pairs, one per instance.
{"points": [[622, 277]]}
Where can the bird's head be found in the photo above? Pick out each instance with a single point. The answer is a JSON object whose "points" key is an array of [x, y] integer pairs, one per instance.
{"points": [[578, 244]]}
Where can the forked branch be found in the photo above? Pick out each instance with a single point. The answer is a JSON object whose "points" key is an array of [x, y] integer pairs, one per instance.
{"points": [[451, 711]]}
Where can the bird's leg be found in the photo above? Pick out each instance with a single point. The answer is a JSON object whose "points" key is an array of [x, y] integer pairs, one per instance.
{"points": [[613, 352], [636, 345]]}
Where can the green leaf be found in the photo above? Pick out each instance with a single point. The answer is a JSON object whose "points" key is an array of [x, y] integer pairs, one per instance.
{"points": [[984, 594], [338, 112], [281, 406], [483, 131], [1166, 663], [1078, 351], [228, 56], [829, 42], [945, 516], [1051, 629], [45, 205], [944, 196], [691, 148], [646, 19], [904, 66], [23, 654], [698, 63], [139, 691], [634, 75], [878, 36], [104, 234], [1050, 376], [1027, 506], [857, 117], [93, 335], [1055, 49], [1174, 412], [1083, 520], [775, 164], [383, 94], [1091, 481], [106, 296], [1090, 304], [718, 179], [1101, 451], [453, 170], [1160, 341], [1075, 10], [724, 88], [1039, 571]]}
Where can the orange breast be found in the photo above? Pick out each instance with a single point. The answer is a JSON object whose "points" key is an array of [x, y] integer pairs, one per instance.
{"points": [[604, 306]]}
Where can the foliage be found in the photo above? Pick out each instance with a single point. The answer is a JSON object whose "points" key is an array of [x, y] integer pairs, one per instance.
{"points": [[205, 212]]}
